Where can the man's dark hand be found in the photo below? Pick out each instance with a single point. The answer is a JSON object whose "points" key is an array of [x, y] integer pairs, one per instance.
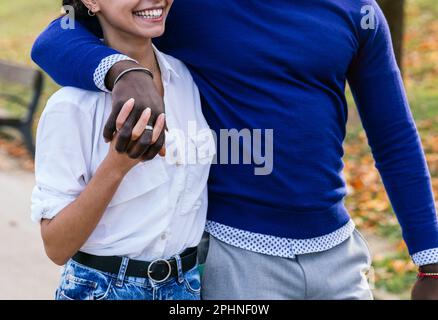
{"points": [[426, 288], [140, 86]]}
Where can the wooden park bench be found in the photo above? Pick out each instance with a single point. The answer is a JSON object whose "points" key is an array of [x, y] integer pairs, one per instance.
{"points": [[32, 81]]}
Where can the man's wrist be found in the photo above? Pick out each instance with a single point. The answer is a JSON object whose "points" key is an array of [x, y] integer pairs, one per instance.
{"points": [[136, 69], [116, 70], [429, 268]]}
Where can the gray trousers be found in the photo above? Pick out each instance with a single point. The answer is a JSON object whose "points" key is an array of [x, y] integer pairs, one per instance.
{"points": [[232, 273]]}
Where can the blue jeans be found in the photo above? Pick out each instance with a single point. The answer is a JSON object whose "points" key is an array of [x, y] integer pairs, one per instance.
{"points": [[79, 282]]}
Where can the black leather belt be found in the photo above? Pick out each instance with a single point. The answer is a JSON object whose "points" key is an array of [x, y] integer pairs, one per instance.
{"points": [[159, 270]]}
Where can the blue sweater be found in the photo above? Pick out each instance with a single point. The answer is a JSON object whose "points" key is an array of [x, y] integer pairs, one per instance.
{"points": [[284, 65]]}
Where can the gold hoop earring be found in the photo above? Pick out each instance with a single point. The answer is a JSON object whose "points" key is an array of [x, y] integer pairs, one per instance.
{"points": [[91, 13]]}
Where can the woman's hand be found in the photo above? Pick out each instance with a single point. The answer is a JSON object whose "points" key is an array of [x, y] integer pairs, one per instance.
{"points": [[123, 162]]}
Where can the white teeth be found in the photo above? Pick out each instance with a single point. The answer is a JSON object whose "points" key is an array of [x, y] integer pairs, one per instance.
{"points": [[149, 14]]}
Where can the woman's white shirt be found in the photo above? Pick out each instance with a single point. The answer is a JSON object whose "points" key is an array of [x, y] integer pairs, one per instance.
{"points": [[160, 207]]}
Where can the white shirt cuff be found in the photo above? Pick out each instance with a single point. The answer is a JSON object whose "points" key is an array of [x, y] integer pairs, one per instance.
{"points": [[47, 204], [425, 257], [103, 68]]}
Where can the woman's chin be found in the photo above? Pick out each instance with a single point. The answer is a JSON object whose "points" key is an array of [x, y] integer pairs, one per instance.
{"points": [[149, 29], [150, 34]]}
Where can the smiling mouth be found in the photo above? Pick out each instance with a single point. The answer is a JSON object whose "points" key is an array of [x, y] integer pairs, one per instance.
{"points": [[150, 13]]}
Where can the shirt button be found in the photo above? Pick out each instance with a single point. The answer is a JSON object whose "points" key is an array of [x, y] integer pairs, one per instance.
{"points": [[163, 236]]}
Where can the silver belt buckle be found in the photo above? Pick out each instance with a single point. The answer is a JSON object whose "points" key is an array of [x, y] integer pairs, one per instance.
{"points": [[168, 266]]}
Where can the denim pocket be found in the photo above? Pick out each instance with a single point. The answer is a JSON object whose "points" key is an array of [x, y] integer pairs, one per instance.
{"points": [[83, 283], [75, 288], [192, 280]]}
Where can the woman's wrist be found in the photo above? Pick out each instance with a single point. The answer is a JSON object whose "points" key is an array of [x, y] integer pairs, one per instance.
{"points": [[108, 166]]}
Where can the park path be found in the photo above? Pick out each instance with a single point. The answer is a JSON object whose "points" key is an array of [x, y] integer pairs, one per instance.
{"points": [[25, 271]]}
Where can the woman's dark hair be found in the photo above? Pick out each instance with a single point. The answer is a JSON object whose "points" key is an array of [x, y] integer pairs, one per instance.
{"points": [[81, 11]]}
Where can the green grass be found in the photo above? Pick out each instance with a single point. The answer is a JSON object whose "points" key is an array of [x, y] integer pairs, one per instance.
{"points": [[390, 279], [428, 7], [20, 23], [424, 102]]}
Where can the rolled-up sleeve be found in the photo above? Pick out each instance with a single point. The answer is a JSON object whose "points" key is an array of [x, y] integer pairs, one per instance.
{"points": [[63, 153]]}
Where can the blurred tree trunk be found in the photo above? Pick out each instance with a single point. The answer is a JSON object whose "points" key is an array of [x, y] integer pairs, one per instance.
{"points": [[394, 12]]}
